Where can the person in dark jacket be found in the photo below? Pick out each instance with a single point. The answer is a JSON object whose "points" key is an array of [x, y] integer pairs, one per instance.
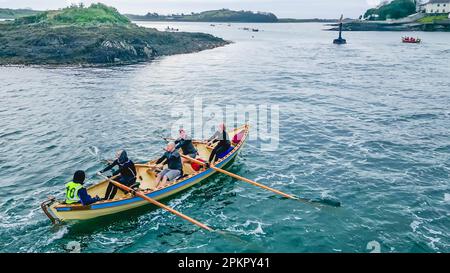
{"points": [[185, 143], [221, 136], [126, 172], [174, 165], [76, 192]]}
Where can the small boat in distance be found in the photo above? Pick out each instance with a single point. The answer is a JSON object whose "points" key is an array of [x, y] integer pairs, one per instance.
{"points": [[171, 29], [340, 40], [411, 40]]}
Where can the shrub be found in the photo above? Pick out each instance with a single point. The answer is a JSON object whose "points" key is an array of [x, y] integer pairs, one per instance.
{"points": [[394, 10]]}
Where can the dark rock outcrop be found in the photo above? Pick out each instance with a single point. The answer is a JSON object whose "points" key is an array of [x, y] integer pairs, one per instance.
{"points": [[104, 44]]}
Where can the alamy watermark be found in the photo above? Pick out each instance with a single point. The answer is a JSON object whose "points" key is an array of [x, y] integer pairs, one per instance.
{"points": [[201, 121]]}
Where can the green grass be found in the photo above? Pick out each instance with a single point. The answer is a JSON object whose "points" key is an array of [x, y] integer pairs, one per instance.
{"points": [[77, 15], [432, 18]]}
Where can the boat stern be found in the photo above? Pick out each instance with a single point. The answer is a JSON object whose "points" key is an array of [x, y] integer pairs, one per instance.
{"points": [[47, 207]]}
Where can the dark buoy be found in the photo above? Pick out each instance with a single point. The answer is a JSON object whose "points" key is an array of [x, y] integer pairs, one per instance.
{"points": [[340, 40]]}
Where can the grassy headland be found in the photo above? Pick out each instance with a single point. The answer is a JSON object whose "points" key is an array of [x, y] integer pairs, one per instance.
{"points": [[423, 24], [433, 19], [97, 34], [77, 15], [222, 15]]}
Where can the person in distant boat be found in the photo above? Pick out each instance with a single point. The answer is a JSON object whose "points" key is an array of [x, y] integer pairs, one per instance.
{"points": [[221, 136], [126, 172], [185, 143], [76, 193], [174, 165]]}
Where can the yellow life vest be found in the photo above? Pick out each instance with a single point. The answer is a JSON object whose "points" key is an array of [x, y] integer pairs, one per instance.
{"points": [[72, 189]]}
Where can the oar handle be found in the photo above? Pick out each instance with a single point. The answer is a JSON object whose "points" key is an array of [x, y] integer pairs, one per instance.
{"points": [[156, 203]]}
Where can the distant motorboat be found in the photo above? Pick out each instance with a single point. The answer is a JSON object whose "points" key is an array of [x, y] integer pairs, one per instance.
{"points": [[255, 29], [340, 40], [411, 40]]}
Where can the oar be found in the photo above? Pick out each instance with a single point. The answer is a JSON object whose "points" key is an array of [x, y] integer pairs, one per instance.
{"points": [[156, 203], [322, 201], [167, 139]]}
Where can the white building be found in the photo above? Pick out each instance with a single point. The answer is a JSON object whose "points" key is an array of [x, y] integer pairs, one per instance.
{"points": [[436, 6]]}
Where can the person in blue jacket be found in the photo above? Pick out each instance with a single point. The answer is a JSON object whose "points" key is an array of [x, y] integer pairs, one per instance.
{"points": [[76, 192]]}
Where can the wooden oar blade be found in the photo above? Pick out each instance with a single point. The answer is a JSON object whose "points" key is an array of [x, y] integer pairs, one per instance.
{"points": [[331, 202]]}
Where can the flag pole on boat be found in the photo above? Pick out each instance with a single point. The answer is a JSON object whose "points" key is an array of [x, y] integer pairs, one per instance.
{"points": [[156, 203], [322, 201]]}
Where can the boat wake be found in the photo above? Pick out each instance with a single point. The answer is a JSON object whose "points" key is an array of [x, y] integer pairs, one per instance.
{"points": [[59, 234], [246, 228]]}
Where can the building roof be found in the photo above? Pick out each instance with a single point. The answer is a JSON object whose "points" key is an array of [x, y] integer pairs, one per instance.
{"points": [[438, 1]]}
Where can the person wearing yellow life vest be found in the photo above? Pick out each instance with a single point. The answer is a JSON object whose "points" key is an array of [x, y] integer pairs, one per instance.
{"points": [[76, 193]]}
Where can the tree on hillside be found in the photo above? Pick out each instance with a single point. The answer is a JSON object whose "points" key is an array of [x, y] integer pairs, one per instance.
{"points": [[394, 10]]}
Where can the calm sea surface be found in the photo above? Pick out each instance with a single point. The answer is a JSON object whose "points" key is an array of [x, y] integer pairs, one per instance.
{"points": [[367, 123]]}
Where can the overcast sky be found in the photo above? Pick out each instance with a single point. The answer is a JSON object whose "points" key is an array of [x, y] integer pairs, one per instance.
{"points": [[282, 8]]}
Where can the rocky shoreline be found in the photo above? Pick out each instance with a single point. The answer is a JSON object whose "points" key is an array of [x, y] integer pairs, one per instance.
{"points": [[383, 26], [106, 44]]}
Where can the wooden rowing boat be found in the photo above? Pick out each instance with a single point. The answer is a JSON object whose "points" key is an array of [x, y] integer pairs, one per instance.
{"points": [[57, 211]]}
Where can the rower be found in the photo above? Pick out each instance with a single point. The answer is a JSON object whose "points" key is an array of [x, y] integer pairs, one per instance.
{"points": [[126, 172], [185, 143], [221, 136], [76, 193], [174, 165]]}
